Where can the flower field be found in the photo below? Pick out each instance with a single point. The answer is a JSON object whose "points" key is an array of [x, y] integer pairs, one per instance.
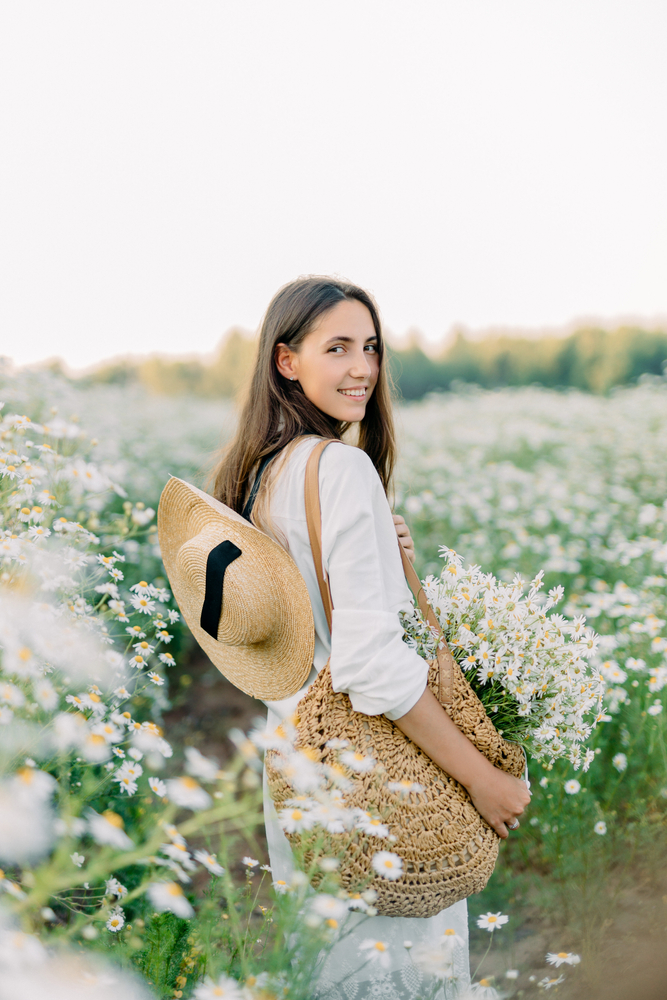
{"points": [[121, 849]]}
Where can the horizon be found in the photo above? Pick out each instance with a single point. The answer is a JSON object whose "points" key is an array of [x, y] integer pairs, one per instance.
{"points": [[433, 349]]}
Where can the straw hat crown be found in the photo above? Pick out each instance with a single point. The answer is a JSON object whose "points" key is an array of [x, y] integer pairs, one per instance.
{"points": [[239, 591]]}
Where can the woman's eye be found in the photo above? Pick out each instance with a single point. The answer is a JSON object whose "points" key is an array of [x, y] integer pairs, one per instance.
{"points": [[372, 348], [338, 347]]}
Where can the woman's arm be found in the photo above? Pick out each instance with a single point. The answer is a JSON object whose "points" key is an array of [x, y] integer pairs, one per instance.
{"points": [[498, 797]]}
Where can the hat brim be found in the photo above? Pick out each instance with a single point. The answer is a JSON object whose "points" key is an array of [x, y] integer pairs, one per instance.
{"points": [[280, 665]]}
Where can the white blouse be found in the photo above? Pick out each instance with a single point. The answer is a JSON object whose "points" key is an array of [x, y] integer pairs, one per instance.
{"points": [[368, 658], [369, 661]]}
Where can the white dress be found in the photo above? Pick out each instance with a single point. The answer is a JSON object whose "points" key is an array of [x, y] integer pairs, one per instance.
{"points": [[369, 661]]}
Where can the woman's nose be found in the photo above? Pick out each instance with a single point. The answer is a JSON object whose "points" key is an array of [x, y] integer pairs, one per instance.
{"points": [[361, 367]]}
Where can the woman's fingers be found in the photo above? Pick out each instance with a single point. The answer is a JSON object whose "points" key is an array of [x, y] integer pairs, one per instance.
{"points": [[404, 536]]}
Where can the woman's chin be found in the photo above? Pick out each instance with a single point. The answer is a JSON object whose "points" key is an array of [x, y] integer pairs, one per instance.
{"points": [[352, 413]]}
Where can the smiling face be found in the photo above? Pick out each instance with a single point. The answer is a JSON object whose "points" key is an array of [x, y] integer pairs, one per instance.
{"points": [[337, 363]]}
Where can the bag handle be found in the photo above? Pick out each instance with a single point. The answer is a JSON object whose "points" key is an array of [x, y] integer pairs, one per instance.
{"points": [[446, 661]]}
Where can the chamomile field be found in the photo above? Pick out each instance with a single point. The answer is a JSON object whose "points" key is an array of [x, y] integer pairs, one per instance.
{"points": [[131, 778]]}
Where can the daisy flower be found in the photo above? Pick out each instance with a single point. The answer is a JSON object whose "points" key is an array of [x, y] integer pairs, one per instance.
{"points": [[328, 907], [376, 952], [372, 826], [107, 828], [222, 988], [169, 896], [489, 921], [388, 865], [114, 888], [295, 820], [405, 787], [209, 861], [157, 786], [125, 783], [142, 604], [600, 827], [188, 793], [116, 921], [357, 761], [546, 983], [572, 786], [563, 958]]}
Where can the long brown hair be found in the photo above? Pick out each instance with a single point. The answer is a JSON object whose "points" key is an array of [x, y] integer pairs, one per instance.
{"points": [[276, 410]]}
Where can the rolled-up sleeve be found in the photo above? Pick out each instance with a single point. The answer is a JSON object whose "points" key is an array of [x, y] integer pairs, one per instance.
{"points": [[369, 660]]}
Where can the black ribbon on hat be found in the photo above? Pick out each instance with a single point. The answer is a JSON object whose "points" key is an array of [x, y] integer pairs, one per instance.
{"points": [[218, 560]]}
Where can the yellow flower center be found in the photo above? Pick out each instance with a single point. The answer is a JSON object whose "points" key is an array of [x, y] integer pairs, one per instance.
{"points": [[297, 814], [380, 946], [174, 890], [113, 818], [142, 583]]}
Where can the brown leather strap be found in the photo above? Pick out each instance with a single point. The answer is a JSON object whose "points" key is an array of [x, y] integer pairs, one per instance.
{"points": [[314, 521], [446, 661]]}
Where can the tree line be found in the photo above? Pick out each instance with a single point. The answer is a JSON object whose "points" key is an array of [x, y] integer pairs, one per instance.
{"points": [[590, 359]]}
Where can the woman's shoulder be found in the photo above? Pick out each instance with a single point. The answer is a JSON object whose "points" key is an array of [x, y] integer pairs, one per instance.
{"points": [[340, 458], [342, 467]]}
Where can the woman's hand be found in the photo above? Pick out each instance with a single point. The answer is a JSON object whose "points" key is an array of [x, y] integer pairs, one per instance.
{"points": [[497, 796], [500, 799], [404, 536]]}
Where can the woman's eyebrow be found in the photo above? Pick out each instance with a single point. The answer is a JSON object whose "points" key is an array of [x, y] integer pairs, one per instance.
{"points": [[349, 340]]}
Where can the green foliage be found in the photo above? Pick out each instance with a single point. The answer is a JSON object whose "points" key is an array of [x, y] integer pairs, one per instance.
{"points": [[590, 359], [165, 944], [223, 377]]}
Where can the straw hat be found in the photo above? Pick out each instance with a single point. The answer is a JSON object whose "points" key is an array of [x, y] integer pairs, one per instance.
{"points": [[245, 588]]}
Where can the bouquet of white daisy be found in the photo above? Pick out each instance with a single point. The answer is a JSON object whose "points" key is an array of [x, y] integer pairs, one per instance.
{"points": [[528, 667]]}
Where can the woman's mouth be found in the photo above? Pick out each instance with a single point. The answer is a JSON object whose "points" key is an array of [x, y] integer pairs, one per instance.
{"points": [[357, 393]]}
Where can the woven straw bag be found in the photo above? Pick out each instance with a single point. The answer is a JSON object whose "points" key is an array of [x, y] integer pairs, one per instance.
{"points": [[448, 850]]}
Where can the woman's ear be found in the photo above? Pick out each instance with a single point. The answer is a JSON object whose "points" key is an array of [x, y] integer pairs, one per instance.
{"points": [[285, 361]]}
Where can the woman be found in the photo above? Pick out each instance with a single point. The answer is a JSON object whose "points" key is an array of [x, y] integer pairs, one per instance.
{"points": [[320, 371]]}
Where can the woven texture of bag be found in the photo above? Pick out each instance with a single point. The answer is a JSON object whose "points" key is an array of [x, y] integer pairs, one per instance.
{"points": [[448, 850]]}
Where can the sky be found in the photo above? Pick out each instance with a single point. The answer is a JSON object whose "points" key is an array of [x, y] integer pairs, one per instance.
{"points": [[167, 166]]}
